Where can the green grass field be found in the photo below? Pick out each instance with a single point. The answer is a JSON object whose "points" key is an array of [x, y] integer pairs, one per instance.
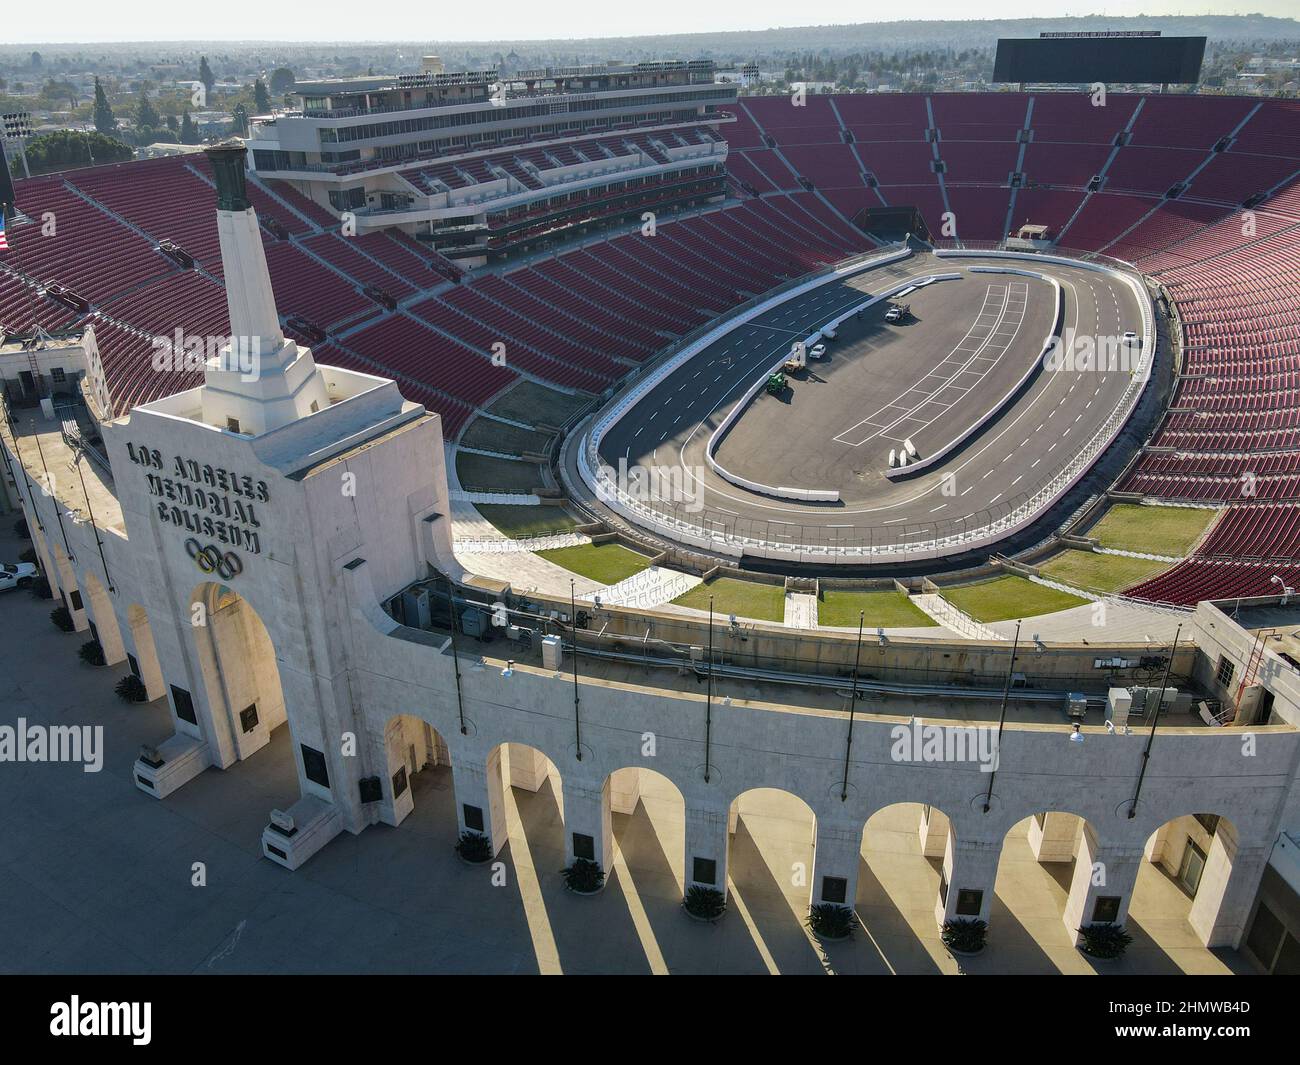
{"points": [[516, 522], [745, 599], [607, 563], [1099, 573], [530, 403], [508, 439], [1006, 598], [1154, 530], [482, 473], [884, 608]]}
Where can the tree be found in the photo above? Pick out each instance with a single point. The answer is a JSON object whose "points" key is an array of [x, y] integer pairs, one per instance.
{"points": [[54, 94], [189, 135], [261, 98], [105, 122], [282, 80], [173, 123], [240, 115], [146, 115], [67, 148], [36, 61], [207, 77]]}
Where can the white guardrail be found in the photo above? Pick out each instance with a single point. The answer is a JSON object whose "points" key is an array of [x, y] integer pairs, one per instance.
{"points": [[720, 541]]}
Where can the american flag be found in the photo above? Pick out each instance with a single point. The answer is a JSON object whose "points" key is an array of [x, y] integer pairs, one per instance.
{"points": [[4, 241]]}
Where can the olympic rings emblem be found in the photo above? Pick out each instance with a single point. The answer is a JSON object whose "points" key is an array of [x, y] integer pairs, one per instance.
{"points": [[211, 560]]}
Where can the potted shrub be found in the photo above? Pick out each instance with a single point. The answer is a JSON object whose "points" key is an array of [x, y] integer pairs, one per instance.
{"points": [[474, 848], [40, 589], [20, 529], [92, 653], [29, 555], [583, 877], [829, 921], [964, 936], [1105, 941], [130, 689], [704, 903], [62, 619]]}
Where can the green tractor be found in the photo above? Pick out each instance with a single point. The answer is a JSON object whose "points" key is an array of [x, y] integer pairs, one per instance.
{"points": [[776, 384]]}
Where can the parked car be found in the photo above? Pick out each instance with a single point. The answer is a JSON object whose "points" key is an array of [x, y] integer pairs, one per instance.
{"points": [[17, 575]]}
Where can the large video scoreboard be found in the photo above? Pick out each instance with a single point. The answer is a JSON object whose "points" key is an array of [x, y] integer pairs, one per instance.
{"points": [[1082, 59]]}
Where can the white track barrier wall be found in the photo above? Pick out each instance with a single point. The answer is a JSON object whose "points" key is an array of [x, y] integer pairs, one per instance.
{"points": [[722, 542]]}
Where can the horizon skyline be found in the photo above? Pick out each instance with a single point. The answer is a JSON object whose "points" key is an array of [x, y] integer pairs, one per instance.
{"points": [[530, 25]]}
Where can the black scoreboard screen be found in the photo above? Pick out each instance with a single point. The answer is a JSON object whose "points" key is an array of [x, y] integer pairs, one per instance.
{"points": [[1083, 60]]}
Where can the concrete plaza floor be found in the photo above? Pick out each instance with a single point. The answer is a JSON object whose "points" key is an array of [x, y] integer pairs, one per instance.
{"points": [[97, 877]]}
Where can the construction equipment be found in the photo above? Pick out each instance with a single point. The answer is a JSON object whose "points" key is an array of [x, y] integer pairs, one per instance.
{"points": [[776, 384], [798, 358]]}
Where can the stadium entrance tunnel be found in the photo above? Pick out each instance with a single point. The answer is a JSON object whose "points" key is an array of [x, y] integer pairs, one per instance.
{"points": [[1194, 871], [415, 760], [241, 680], [649, 817]]}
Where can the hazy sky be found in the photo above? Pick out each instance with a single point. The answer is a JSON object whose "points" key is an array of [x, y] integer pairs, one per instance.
{"points": [[329, 20]]}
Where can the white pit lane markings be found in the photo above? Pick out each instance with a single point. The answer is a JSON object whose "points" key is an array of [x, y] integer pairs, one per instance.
{"points": [[963, 366]]}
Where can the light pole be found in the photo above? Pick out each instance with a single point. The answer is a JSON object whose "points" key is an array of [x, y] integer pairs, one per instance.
{"points": [[573, 622], [1155, 720], [1002, 716], [853, 703], [455, 655]]}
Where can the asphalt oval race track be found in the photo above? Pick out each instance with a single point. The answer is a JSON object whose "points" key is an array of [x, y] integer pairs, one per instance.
{"points": [[928, 379]]}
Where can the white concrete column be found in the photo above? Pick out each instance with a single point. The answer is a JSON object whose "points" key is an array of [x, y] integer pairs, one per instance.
{"points": [[1227, 889], [1157, 847], [624, 790], [934, 832], [524, 767], [43, 554], [480, 798], [110, 638], [146, 653], [970, 869], [587, 814], [74, 598], [395, 771], [706, 840], [1100, 874], [100, 607], [836, 854], [1055, 839]]}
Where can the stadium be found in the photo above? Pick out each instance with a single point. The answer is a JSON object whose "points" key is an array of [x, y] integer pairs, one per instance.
{"points": [[540, 459]]}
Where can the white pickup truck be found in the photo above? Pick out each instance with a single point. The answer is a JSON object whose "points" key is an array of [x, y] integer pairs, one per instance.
{"points": [[18, 575]]}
